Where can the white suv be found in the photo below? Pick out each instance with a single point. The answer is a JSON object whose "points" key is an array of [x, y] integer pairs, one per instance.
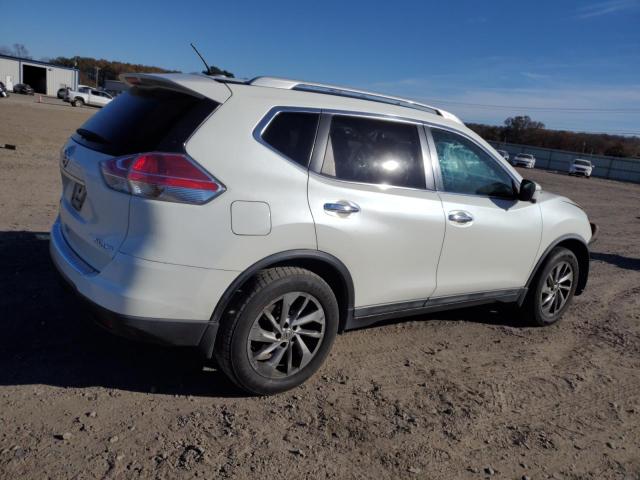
{"points": [[524, 159], [580, 166], [257, 219]]}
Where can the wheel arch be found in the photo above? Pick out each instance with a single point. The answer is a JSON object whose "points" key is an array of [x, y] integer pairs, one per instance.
{"points": [[579, 248], [323, 264]]}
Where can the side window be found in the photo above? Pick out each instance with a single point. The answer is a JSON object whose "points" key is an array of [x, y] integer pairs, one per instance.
{"points": [[466, 168], [293, 134], [374, 151]]}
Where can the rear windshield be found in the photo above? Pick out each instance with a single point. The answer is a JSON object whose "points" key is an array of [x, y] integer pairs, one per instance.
{"points": [[144, 120]]}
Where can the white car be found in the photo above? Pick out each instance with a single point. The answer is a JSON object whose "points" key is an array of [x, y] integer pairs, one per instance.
{"points": [[580, 166], [524, 159], [504, 154], [87, 96], [257, 219]]}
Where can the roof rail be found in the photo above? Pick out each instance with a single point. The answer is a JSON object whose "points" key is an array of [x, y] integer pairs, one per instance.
{"points": [[284, 83]]}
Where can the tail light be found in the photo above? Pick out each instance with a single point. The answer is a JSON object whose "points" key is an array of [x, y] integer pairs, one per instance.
{"points": [[171, 177]]}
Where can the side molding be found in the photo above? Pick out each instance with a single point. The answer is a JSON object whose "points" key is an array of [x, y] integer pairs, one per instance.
{"points": [[366, 316]]}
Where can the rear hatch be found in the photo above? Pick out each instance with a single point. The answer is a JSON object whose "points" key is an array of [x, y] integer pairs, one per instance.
{"points": [[156, 115]]}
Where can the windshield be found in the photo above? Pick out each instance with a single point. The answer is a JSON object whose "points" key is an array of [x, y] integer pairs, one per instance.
{"points": [[586, 163]]}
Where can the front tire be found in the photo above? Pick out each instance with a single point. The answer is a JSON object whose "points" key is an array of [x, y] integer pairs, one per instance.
{"points": [[552, 289], [78, 102], [279, 331]]}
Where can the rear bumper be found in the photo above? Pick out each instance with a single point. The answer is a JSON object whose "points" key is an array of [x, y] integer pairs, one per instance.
{"points": [[143, 300], [183, 333]]}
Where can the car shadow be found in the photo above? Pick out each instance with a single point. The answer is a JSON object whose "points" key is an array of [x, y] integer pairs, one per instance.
{"points": [[47, 337], [627, 263]]}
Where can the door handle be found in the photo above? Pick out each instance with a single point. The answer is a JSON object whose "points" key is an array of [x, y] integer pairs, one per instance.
{"points": [[342, 207], [460, 217]]}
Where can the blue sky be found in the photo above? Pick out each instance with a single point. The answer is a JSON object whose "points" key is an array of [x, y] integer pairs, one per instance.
{"points": [[570, 64]]}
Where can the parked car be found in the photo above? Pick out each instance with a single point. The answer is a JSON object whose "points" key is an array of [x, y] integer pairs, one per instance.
{"points": [[524, 159], [88, 96], [580, 166], [81, 89], [504, 154], [3, 90], [23, 89], [256, 220]]}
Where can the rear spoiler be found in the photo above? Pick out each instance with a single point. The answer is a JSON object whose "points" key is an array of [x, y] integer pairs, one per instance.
{"points": [[195, 85]]}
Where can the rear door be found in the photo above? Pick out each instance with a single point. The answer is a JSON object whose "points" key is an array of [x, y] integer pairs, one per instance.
{"points": [[96, 99], [491, 237], [374, 207], [95, 218]]}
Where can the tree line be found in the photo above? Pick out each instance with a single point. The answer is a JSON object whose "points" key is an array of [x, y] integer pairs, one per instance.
{"points": [[95, 71], [110, 70], [106, 69], [525, 131], [520, 129]]}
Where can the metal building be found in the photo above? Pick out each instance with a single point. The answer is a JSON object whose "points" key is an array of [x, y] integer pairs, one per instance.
{"points": [[43, 77]]}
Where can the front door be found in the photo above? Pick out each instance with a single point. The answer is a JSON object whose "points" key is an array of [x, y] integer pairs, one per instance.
{"points": [[373, 211], [491, 238]]}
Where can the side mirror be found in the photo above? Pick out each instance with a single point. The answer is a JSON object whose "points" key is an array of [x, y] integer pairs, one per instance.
{"points": [[528, 191]]}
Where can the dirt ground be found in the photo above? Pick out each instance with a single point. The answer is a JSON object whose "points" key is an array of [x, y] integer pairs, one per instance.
{"points": [[469, 394]]}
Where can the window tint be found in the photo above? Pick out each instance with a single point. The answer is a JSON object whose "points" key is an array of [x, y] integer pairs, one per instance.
{"points": [[374, 151], [293, 134], [144, 120], [466, 168]]}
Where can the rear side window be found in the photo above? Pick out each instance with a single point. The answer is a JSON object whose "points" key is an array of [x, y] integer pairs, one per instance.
{"points": [[374, 151], [292, 134], [144, 120]]}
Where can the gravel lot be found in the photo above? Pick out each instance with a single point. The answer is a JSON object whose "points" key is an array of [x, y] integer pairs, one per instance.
{"points": [[467, 394]]}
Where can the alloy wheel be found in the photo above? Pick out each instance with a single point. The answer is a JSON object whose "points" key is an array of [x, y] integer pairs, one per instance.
{"points": [[286, 335], [557, 288]]}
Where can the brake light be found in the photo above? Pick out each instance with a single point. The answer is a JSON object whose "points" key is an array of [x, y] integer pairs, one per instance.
{"points": [[171, 177]]}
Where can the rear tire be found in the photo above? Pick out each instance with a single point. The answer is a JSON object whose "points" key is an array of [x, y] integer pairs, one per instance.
{"points": [[552, 289], [279, 331], [78, 102]]}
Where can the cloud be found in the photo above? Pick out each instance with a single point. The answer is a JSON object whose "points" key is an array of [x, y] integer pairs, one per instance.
{"points": [[614, 109], [535, 76], [571, 105], [605, 8]]}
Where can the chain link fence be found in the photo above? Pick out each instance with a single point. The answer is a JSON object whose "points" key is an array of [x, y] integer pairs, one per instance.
{"points": [[614, 168]]}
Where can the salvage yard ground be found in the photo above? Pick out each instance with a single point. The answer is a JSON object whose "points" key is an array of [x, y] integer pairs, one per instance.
{"points": [[466, 394]]}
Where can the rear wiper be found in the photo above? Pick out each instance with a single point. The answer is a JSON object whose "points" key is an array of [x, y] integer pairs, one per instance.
{"points": [[91, 136]]}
